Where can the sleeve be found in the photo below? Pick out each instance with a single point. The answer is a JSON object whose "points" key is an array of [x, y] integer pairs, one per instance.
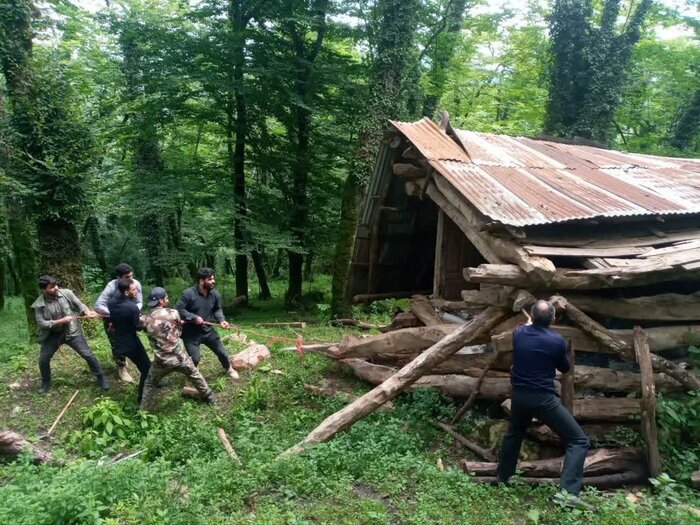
{"points": [[136, 318], [101, 303], [76, 303], [218, 312], [563, 364], [42, 323], [182, 304], [139, 295]]}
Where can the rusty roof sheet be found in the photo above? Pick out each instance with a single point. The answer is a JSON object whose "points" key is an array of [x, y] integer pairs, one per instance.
{"points": [[521, 181]]}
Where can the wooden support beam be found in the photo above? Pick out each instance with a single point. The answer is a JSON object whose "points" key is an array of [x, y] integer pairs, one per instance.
{"points": [[409, 171], [405, 377], [423, 310], [570, 279], [650, 432], [620, 347], [661, 307]]}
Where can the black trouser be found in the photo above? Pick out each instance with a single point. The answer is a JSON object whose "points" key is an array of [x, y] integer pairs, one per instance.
{"points": [[210, 339], [119, 360], [139, 357], [53, 342], [546, 407]]}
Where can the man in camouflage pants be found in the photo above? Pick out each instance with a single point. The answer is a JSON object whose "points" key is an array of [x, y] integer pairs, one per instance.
{"points": [[163, 327]]}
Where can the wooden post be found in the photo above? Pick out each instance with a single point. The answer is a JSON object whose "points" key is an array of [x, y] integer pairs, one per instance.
{"points": [[439, 270], [648, 402], [405, 377], [55, 423], [567, 381]]}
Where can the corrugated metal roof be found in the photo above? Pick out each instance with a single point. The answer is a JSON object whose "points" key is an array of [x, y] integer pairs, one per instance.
{"points": [[520, 181]]}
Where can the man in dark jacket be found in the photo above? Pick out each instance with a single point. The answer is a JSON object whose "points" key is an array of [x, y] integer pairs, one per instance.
{"points": [[57, 323], [196, 307], [538, 351], [126, 323]]}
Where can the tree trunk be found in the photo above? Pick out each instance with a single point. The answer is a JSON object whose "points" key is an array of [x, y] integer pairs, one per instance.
{"points": [[394, 46], [59, 248], [92, 231], [308, 267], [22, 234], [265, 293], [404, 378]]}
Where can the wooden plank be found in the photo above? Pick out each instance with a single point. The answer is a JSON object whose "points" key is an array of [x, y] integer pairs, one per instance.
{"points": [[629, 239], [650, 432], [677, 247], [439, 268], [586, 251]]}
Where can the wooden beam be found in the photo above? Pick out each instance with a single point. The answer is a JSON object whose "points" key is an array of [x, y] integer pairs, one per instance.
{"points": [[622, 348], [661, 307], [439, 267], [617, 409], [571, 279], [570, 251], [423, 310], [647, 404], [405, 377], [409, 171]]}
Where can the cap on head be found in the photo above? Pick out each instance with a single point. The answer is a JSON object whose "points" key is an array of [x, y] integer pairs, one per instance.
{"points": [[157, 294]]}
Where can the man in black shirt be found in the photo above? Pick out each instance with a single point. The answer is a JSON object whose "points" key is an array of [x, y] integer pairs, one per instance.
{"points": [[126, 322], [537, 352], [197, 306]]}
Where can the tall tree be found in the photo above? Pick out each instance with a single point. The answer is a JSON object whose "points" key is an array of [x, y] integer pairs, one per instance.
{"points": [[395, 38], [589, 65]]}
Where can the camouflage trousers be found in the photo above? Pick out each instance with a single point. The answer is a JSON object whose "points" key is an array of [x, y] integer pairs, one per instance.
{"points": [[160, 369]]}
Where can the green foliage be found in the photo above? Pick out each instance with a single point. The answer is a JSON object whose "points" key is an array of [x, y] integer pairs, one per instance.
{"points": [[679, 432]]}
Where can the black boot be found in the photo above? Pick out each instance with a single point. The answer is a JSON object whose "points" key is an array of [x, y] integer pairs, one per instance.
{"points": [[209, 398], [102, 382], [45, 387]]}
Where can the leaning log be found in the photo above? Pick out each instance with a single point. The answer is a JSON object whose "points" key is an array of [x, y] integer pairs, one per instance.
{"points": [[466, 442], [622, 348], [650, 432], [409, 374], [598, 462], [616, 409], [424, 311], [400, 321], [13, 444]]}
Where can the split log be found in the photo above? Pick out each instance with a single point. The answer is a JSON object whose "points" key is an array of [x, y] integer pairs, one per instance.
{"points": [[467, 443], [661, 307], [406, 341], [451, 384], [650, 432], [620, 347], [660, 338], [424, 311], [250, 358], [488, 296], [409, 374], [400, 321], [636, 476], [353, 322], [598, 462], [616, 409], [572, 279], [13, 444]]}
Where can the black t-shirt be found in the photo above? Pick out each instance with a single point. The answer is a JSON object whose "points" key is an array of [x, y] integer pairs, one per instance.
{"points": [[125, 318], [537, 353]]}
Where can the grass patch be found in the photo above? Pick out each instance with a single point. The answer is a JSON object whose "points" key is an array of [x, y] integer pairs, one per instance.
{"points": [[383, 470]]}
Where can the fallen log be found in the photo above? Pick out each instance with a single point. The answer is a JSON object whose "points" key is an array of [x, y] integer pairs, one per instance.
{"points": [[467, 443], [409, 374], [424, 311], [620, 347], [371, 297], [598, 462], [227, 445], [13, 444], [406, 341], [451, 384], [353, 322], [647, 404], [400, 321], [614, 409], [291, 324], [609, 481], [329, 349]]}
